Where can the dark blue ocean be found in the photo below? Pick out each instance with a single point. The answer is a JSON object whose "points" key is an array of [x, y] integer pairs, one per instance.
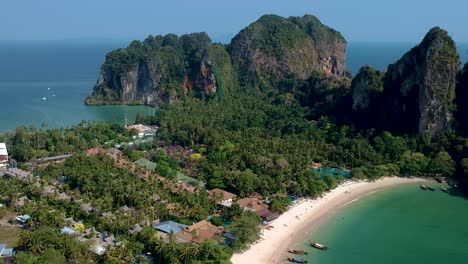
{"points": [[47, 81]]}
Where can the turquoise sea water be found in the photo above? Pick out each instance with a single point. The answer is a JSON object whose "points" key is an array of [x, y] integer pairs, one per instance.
{"points": [[48, 81], [70, 69], [400, 225]]}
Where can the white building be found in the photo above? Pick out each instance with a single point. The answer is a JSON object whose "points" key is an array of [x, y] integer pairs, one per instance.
{"points": [[3, 155], [221, 197], [143, 131]]}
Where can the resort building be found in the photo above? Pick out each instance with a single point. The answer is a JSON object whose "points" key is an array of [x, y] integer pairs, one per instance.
{"points": [[252, 204], [200, 232], [167, 227], [16, 173], [100, 241], [136, 228], [181, 187], [256, 205], [23, 219], [3, 156], [221, 197], [68, 231], [142, 130], [267, 215], [98, 249], [114, 153], [6, 252], [94, 151]]}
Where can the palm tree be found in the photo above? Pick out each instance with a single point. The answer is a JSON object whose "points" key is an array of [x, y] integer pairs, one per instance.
{"points": [[188, 253]]}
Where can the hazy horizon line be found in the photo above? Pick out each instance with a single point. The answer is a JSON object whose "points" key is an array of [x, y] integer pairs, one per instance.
{"points": [[108, 40]]}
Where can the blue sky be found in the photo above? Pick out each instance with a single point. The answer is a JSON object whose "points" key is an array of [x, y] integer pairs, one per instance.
{"points": [[357, 20]]}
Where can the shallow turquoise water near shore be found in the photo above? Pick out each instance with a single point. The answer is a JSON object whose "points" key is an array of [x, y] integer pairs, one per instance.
{"points": [[47, 81], [31, 103], [400, 225]]}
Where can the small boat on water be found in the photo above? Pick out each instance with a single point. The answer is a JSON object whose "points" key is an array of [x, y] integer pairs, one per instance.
{"points": [[431, 188], [297, 260], [318, 246], [424, 187], [444, 189], [298, 252], [452, 183]]}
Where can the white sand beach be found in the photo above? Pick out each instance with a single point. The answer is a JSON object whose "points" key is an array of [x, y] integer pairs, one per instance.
{"points": [[293, 224]]}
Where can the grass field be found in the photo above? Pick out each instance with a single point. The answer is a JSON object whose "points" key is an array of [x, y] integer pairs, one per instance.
{"points": [[9, 235]]}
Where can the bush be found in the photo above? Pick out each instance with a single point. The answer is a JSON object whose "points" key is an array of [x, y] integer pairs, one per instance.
{"points": [[443, 164], [195, 156], [216, 220]]}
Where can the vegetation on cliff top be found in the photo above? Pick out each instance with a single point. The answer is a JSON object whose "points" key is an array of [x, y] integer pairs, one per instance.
{"points": [[443, 60], [170, 63], [270, 50], [275, 48]]}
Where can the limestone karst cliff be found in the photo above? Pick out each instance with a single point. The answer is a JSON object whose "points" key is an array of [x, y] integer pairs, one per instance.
{"points": [[163, 69], [418, 90], [295, 60], [276, 48], [420, 87], [367, 93]]}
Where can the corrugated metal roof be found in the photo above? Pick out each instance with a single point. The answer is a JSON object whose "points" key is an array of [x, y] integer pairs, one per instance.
{"points": [[3, 149], [8, 252], [170, 226]]}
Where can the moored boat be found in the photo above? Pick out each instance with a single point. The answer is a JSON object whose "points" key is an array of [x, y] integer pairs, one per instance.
{"points": [[318, 246], [431, 188], [444, 189], [297, 260], [298, 252], [424, 187]]}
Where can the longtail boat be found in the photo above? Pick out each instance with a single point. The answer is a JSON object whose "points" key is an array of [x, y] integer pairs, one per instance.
{"points": [[424, 187], [297, 252], [444, 189], [318, 246], [297, 260], [431, 188]]}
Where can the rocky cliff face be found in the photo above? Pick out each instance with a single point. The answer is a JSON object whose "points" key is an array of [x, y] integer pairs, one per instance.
{"points": [[461, 101], [268, 52], [367, 91], [276, 48], [420, 87], [418, 90], [366, 87], [162, 69]]}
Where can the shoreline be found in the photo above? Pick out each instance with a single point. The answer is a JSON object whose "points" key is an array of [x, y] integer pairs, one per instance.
{"points": [[302, 219]]}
